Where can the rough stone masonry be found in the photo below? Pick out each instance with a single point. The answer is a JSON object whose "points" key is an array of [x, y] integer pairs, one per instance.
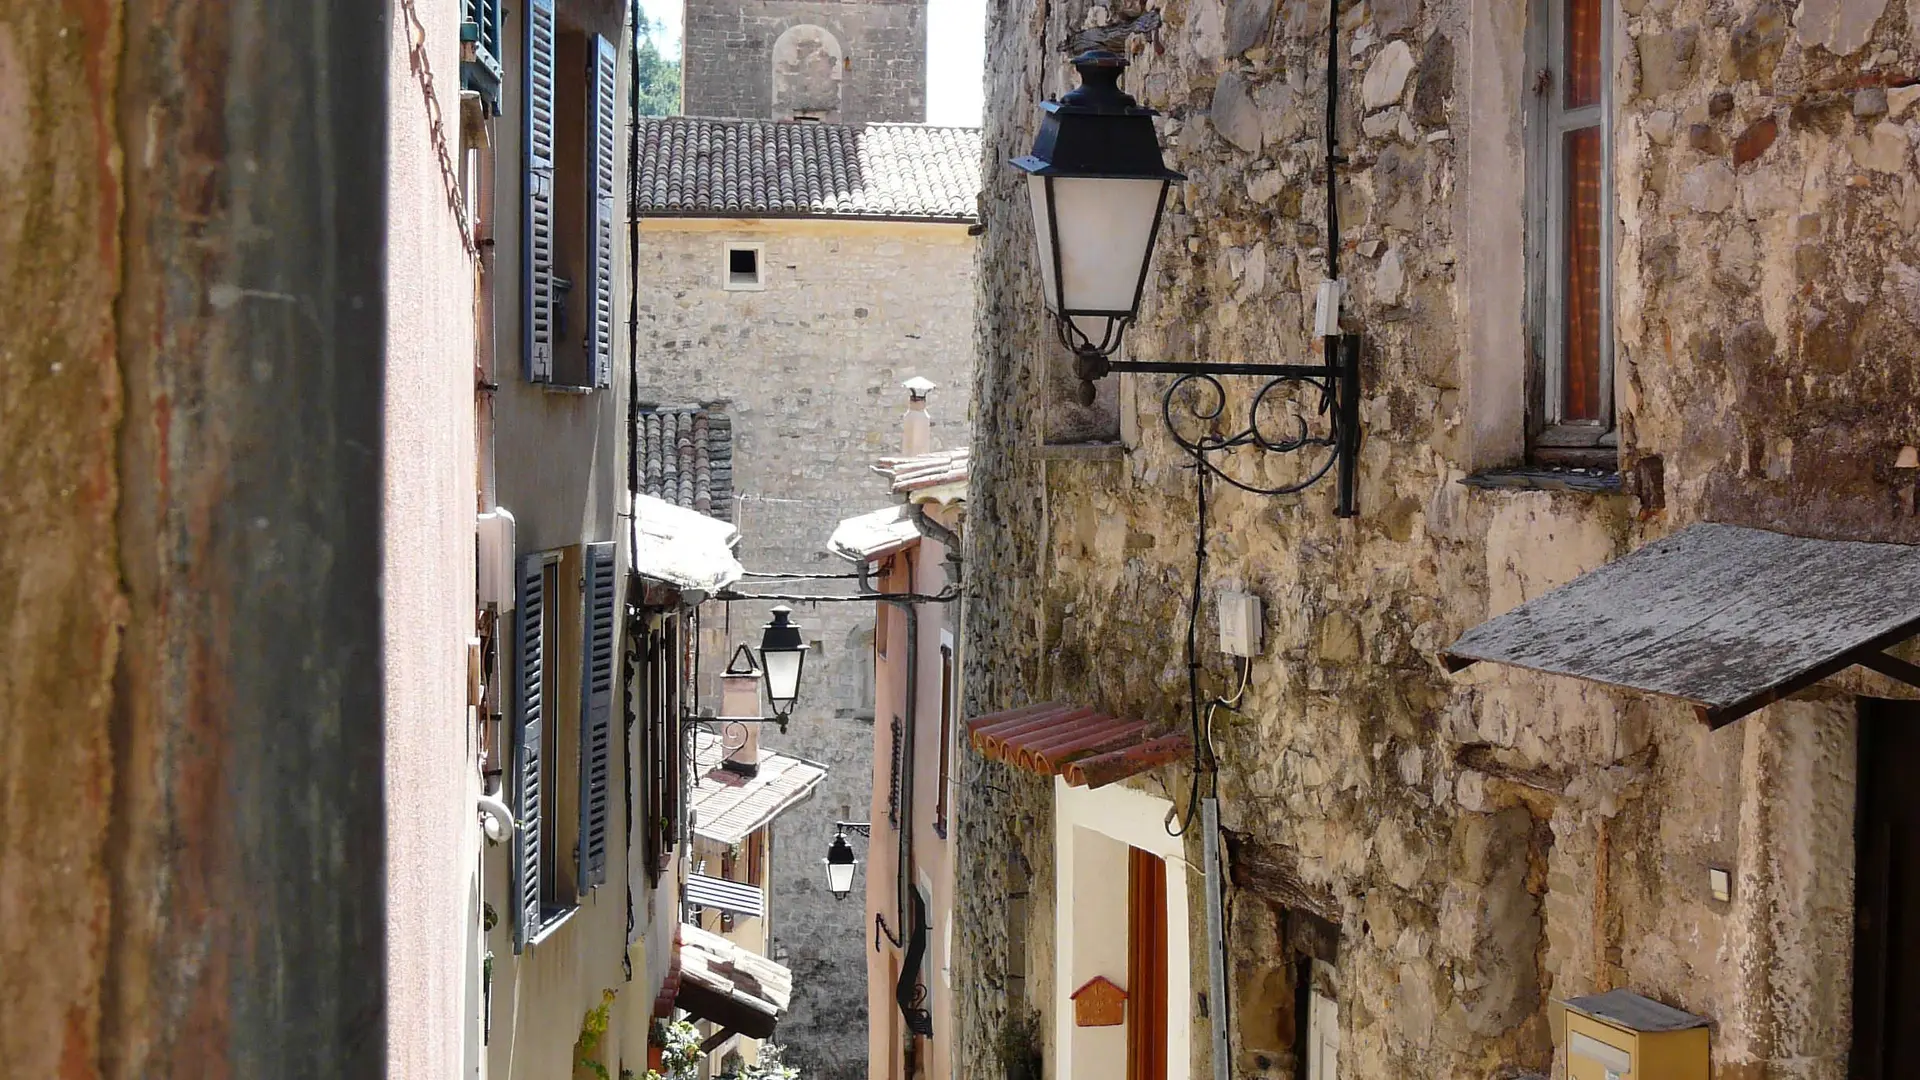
{"points": [[1489, 841]]}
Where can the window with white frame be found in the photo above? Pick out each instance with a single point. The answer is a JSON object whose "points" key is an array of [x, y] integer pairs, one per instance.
{"points": [[743, 266], [1570, 234]]}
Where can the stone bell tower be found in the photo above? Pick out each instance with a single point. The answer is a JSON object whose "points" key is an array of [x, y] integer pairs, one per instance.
{"points": [[844, 62]]}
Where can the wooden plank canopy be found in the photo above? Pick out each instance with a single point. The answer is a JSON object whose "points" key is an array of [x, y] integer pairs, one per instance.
{"points": [[1728, 618]]}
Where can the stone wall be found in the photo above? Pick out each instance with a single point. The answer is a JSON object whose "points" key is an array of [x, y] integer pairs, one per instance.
{"points": [[765, 59], [1486, 841], [810, 371]]}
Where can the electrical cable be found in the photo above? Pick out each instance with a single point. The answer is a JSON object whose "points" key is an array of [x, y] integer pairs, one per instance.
{"points": [[1202, 761]]}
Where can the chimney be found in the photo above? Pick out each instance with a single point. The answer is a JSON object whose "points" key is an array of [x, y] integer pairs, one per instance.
{"points": [[917, 439], [740, 745]]}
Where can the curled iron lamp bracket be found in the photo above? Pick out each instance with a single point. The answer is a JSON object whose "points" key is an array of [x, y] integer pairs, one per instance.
{"points": [[1195, 404]]}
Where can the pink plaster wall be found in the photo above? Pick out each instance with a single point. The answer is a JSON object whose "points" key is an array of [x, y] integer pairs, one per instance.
{"points": [[428, 578], [933, 855]]}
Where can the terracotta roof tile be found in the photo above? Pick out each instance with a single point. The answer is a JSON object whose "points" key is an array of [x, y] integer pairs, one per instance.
{"points": [[686, 458], [910, 474], [1087, 747], [758, 168]]}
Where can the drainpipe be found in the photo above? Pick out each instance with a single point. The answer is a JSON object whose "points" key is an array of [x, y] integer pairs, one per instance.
{"points": [[909, 914]]}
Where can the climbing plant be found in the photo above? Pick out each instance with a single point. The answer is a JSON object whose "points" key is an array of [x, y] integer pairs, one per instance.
{"points": [[593, 1028]]}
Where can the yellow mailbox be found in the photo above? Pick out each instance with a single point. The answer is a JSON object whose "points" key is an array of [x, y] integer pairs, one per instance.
{"points": [[1620, 1035]]}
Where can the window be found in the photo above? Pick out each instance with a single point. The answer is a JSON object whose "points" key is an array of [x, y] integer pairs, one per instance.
{"points": [[946, 732], [548, 777], [1570, 235], [663, 760], [480, 50], [742, 269], [567, 230]]}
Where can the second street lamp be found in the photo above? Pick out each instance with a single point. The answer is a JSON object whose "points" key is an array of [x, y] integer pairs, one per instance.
{"points": [[782, 655]]}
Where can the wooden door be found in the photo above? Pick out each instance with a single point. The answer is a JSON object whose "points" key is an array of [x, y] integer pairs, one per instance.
{"points": [[1886, 936], [1146, 966]]}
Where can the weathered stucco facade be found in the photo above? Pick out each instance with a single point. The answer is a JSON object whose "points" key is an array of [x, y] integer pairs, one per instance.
{"points": [[1488, 841], [809, 371]]}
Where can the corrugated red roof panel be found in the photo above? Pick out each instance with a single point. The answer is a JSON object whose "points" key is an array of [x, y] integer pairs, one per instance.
{"points": [[1087, 747]]}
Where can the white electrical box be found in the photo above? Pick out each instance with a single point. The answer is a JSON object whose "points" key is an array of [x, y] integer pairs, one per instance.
{"points": [[494, 533], [1326, 309], [1239, 623]]}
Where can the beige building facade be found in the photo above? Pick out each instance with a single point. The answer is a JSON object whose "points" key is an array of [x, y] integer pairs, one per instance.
{"points": [[1419, 863]]}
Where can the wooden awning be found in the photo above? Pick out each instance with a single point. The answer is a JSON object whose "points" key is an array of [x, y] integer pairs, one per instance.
{"points": [[1728, 618], [1087, 747], [734, 988]]}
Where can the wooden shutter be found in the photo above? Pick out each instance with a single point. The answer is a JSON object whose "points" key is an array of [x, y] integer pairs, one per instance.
{"points": [[538, 231], [596, 715], [528, 708], [601, 72]]}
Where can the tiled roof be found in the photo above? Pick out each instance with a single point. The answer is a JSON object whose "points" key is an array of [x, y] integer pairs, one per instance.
{"points": [[923, 471], [731, 985], [684, 548], [869, 536], [1087, 747], [729, 807], [686, 458], [783, 168]]}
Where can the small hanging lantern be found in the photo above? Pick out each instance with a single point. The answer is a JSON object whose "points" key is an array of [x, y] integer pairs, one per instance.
{"points": [[840, 863]]}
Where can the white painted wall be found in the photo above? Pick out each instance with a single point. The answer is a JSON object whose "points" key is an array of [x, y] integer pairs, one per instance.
{"points": [[1093, 830]]}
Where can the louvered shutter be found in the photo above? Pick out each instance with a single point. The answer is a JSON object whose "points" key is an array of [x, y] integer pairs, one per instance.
{"points": [[596, 716], [538, 231], [528, 711], [601, 73]]}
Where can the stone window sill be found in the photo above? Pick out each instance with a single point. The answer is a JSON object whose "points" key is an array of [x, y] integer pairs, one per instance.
{"points": [[1588, 481], [1087, 451]]}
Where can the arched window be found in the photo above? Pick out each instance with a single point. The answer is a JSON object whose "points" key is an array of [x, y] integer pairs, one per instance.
{"points": [[807, 65]]}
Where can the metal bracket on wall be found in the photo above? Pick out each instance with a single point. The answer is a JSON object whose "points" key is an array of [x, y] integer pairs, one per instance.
{"points": [[1195, 403]]}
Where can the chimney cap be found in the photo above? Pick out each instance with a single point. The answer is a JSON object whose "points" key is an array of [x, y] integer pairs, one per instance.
{"points": [[919, 387]]}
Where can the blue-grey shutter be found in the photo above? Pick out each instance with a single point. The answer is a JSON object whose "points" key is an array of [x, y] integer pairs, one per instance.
{"points": [[538, 230], [602, 72], [481, 28], [528, 709], [596, 715]]}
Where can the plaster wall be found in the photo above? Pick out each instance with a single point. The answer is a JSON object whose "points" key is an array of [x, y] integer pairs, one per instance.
{"points": [[809, 369], [932, 850], [560, 467], [1489, 841], [427, 586]]}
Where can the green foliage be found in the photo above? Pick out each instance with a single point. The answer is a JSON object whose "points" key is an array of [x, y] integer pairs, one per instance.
{"points": [[657, 78], [1018, 1045], [593, 1028], [769, 1067], [679, 1046]]}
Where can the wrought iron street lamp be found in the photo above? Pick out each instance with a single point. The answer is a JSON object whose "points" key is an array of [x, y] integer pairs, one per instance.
{"points": [[840, 861], [1099, 189], [782, 655]]}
